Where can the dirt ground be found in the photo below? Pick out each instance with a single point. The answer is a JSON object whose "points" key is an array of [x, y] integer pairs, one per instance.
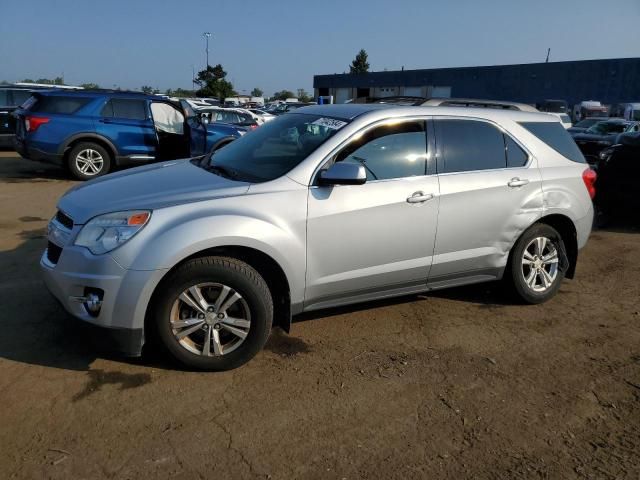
{"points": [[455, 384]]}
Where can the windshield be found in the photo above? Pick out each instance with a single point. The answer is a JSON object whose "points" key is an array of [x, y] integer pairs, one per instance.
{"points": [[605, 128], [587, 122], [565, 118], [273, 149]]}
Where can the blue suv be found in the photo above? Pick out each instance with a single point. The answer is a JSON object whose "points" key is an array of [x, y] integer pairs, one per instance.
{"points": [[91, 132]]}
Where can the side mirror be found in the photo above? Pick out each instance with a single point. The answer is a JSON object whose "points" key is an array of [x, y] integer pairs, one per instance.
{"points": [[342, 173]]}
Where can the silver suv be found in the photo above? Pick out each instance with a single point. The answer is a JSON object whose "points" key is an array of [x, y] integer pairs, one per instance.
{"points": [[327, 206]]}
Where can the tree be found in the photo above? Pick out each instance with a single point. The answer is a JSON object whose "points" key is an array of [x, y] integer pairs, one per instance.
{"points": [[360, 64], [256, 92], [212, 83], [148, 90], [180, 92], [303, 96], [90, 86], [283, 95]]}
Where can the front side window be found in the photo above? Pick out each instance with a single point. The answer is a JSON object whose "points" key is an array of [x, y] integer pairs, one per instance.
{"points": [[468, 145], [273, 149], [393, 151]]}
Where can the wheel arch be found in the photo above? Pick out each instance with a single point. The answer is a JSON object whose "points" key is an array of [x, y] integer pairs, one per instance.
{"points": [[272, 272], [72, 141], [567, 230]]}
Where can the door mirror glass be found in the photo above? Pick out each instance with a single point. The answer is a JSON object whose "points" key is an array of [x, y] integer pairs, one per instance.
{"points": [[343, 174]]}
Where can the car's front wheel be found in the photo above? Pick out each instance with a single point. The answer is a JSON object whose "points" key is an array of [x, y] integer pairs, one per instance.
{"points": [[88, 160], [535, 265], [213, 313]]}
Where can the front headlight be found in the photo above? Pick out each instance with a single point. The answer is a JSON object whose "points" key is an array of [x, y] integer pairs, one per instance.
{"points": [[106, 232]]}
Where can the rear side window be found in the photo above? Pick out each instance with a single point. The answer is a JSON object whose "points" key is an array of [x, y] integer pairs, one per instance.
{"points": [[555, 135], [125, 108], [4, 98], [468, 145], [516, 156], [20, 96], [59, 104]]}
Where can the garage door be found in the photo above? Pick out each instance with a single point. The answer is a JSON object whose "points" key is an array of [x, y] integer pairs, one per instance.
{"points": [[343, 94], [413, 91]]}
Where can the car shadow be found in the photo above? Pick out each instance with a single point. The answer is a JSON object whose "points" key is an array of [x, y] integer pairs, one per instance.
{"points": [[19, 170]]}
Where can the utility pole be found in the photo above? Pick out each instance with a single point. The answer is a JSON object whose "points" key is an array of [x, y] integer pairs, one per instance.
{"points": [[206, 36], [548, 52]]}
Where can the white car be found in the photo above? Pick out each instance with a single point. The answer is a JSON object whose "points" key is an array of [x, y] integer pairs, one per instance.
{"points": [[263, 114], [565, 120]]}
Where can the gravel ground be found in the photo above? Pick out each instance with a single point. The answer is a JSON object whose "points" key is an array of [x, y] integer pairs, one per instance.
{"points": [[455, 384]]}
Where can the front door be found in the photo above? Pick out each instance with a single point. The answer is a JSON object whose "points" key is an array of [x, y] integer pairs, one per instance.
{"points": [[365, 241]]}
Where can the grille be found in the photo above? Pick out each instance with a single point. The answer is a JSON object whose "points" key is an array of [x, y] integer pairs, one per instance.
{"points": [[53, 252], [64, 220]]}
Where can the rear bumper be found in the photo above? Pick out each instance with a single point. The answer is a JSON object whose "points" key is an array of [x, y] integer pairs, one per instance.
{"points": [[31, 153]]}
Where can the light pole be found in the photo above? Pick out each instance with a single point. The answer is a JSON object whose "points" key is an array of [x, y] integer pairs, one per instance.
{"points": [[206, 36]]}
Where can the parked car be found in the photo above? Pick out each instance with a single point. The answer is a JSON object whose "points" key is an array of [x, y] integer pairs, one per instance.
{"points": [[263, 114], [10, 99], [288, 107], [565, 120], [327, 206], [231, 116], [91, 132], [618, 169], [553, 106], [584, 124], [602, 135], [589, 108]]}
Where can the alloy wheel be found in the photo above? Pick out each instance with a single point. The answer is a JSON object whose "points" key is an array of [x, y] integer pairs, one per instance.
{"points": [[540, 264], [210, 319], [89, 162]]}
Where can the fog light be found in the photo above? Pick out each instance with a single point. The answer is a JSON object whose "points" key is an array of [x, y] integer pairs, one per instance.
{"points": [[93, 303], [93, 300]]}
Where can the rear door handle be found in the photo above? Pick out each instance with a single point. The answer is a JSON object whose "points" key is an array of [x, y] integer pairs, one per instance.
{"points": [[419, 197], [516, 182]]}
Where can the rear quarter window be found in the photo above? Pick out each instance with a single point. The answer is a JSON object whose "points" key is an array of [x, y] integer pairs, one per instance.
{"points": [[59, 104], [556, 136]]}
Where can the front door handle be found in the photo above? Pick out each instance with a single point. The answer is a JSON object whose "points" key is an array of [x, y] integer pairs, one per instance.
{"points": [[419, 197], [516, 182]]}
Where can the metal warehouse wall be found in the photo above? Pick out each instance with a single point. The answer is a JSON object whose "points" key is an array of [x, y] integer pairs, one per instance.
{"points": [[610, 81]]}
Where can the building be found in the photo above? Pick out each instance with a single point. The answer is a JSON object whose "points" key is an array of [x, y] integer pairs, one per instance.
{"points": [[610, 81]]}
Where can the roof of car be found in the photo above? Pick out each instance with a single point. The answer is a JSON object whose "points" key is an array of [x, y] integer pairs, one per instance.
{"points": [[352, 110], [100, 93]]}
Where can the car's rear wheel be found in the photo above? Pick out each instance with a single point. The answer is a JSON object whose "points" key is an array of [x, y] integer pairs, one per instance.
{"points": [[88, 160], [214, 313], [535, 265]]}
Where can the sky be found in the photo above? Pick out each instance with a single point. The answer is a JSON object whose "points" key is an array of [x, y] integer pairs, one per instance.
{"points": [[281, 44]]}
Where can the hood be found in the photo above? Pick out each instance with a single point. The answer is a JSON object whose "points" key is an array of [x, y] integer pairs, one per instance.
{"points": [[148, 187]]}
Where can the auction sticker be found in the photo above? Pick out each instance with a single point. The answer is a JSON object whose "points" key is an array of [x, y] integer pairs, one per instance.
{"points": [[331, 123]]}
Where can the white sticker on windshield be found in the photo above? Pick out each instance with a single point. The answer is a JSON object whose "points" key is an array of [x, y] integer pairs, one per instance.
{"points": [[331, 123]]}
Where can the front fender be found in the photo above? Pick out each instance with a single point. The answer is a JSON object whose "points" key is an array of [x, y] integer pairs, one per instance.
{"points": [[179, 232]]}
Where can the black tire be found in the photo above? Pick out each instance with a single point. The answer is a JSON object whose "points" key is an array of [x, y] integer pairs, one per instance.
{"points": [[230, 272], [516, 267], [102, 162]]}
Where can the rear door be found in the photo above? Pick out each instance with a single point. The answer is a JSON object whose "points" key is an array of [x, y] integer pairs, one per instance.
{"points": [[490, 191], [196, 130], [127, 123]]}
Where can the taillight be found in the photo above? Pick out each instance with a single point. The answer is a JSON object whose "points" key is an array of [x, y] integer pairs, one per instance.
{"points": [[589, 178], [32, 123]]}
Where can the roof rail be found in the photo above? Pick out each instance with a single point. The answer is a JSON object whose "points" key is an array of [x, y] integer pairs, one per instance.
{"points": [[470, 102], [402, 100]]}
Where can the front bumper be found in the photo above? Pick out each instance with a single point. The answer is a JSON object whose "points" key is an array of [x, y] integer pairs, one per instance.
{"points": [[126, 294]]}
